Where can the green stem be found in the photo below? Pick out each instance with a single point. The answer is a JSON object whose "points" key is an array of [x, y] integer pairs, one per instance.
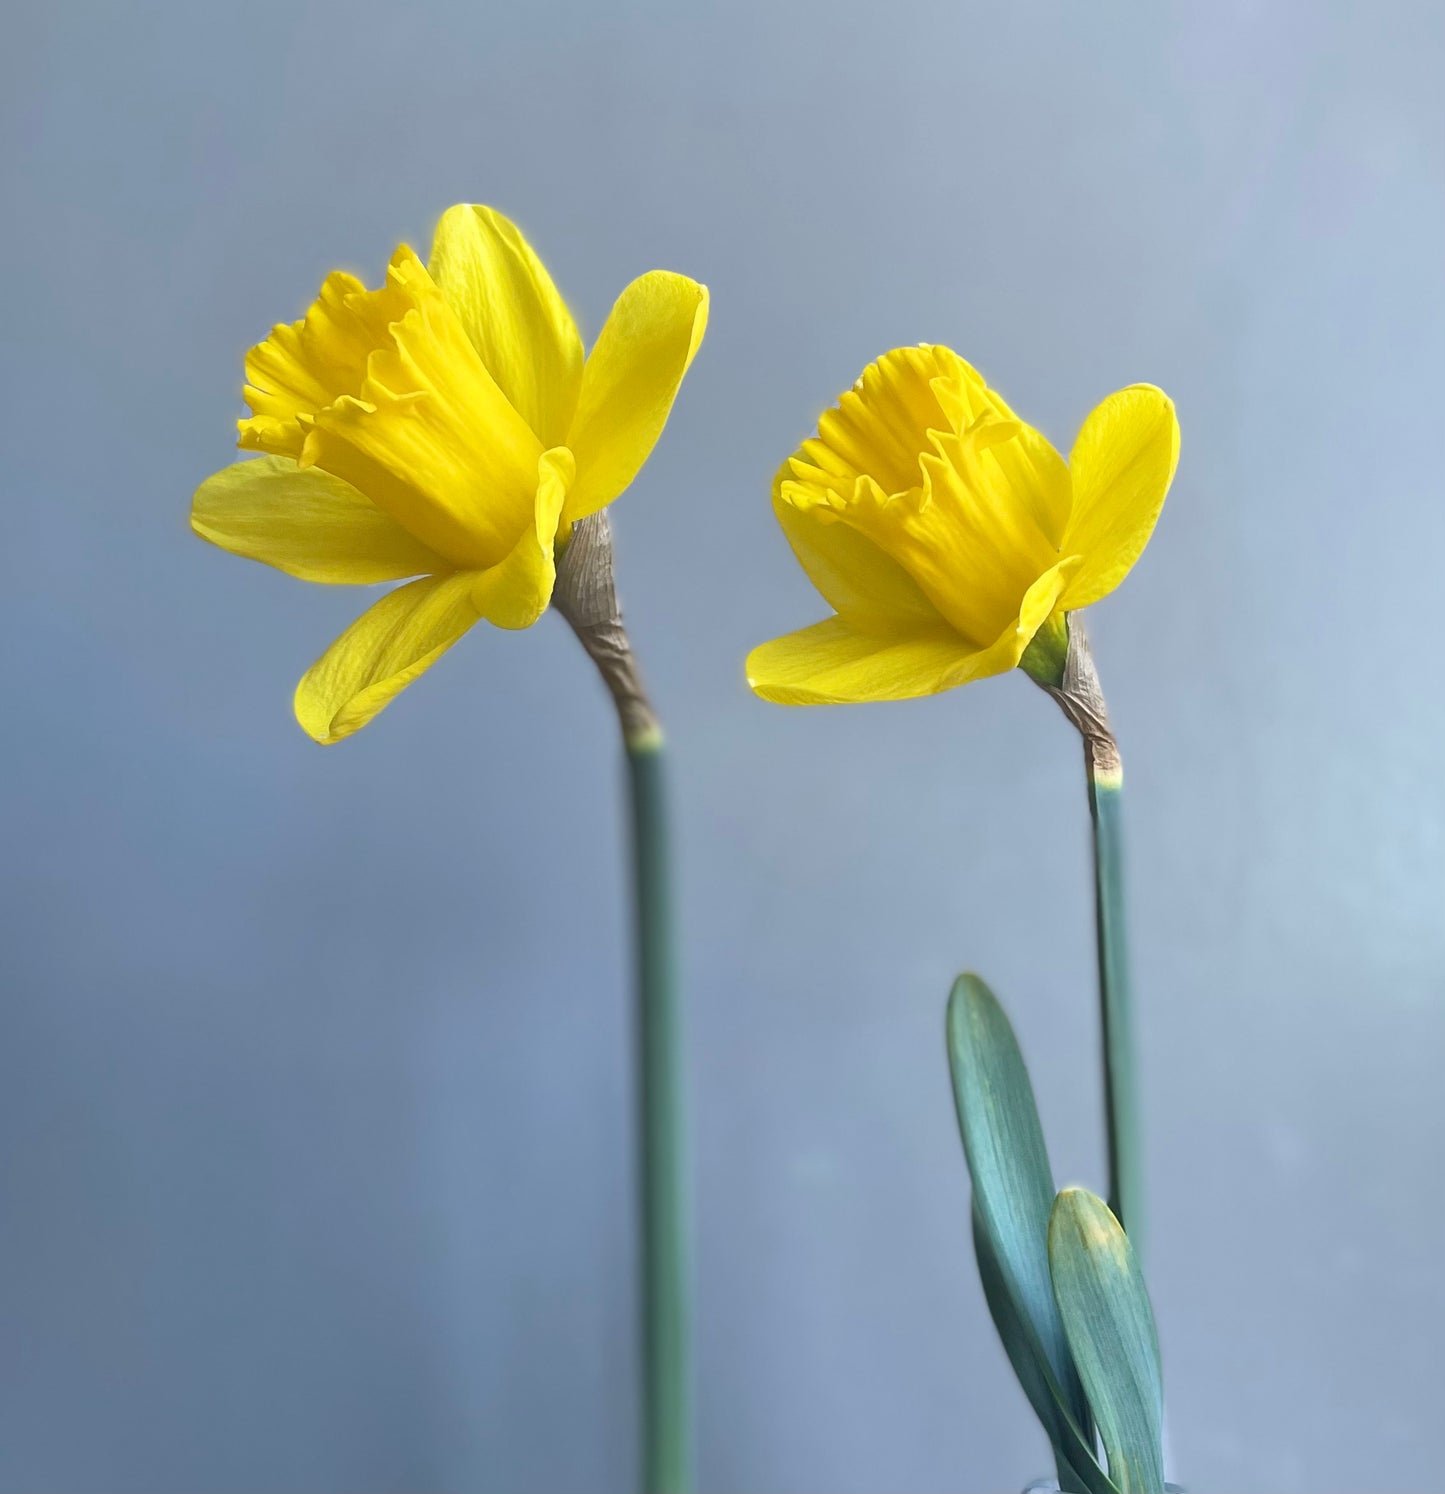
{"points": [[666, 1254], [586, 595], [1121, 1106]]}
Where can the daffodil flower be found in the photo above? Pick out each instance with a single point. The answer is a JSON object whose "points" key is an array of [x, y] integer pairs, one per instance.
{"points": [[444, 427], [947, 534]]}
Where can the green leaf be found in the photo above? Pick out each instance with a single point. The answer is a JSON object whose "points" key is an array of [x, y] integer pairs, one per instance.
{"points": [[1071, 1452], [1013, 1194], [1011, 1330], [1110, 1326]]}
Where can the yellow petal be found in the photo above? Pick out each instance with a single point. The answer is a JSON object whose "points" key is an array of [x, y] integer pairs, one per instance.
{"points": [[515, 593], [382, 652], [863, 585], [1122, 465], [307, 523], [832, 663], [629, 383], [520, 326], [430, 437]]}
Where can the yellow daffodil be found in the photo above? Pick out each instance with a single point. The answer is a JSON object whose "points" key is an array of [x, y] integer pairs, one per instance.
{"points": [[946, 534], [444, 427]]}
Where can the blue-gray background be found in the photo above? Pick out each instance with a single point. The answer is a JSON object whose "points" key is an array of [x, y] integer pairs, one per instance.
{"points": [[314, 1079]]}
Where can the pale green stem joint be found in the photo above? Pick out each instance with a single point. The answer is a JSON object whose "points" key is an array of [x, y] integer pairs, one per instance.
{"points": [[1045, 658]]}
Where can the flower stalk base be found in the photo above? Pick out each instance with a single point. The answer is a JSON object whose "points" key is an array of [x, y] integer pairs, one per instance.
{"points": [[1081, 699], [586, 596]]}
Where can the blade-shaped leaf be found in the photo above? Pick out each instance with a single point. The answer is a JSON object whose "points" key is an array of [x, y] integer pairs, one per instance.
{"points": [[1110, 1326], [1071, 1452], [1013, 1194]]}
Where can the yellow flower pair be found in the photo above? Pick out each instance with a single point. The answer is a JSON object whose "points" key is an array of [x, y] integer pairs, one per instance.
{"points": [[447, 427]]}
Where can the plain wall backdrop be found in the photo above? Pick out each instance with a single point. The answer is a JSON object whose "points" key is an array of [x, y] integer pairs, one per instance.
{"points": [[314, 1078]]}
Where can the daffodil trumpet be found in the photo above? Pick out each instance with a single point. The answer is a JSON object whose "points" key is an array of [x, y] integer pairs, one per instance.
{"points": [[953, 542], [447, 431]]}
